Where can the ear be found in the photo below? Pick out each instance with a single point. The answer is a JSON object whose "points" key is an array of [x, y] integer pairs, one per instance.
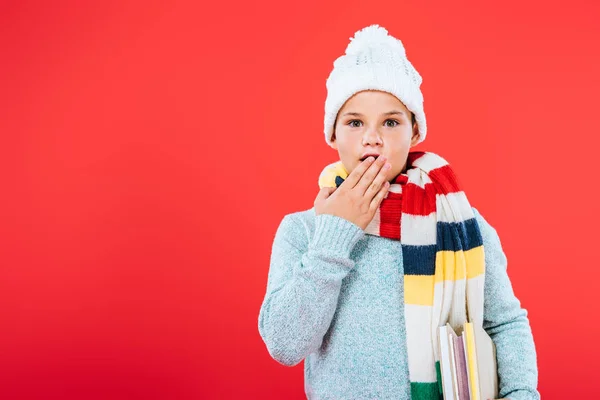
{"points": [[415, 136], [333, 143]]}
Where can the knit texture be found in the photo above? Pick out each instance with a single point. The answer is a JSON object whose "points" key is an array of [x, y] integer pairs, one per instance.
{"points": [[334, 299]]}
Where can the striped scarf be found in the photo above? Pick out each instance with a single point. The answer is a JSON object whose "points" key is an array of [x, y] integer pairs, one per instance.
{"points": [[444, 264]]}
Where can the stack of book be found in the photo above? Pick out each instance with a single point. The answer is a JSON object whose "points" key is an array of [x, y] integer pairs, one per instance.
{"points": [[467, 363]]}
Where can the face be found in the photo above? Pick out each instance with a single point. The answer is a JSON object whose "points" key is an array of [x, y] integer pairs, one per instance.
{"points": [[374, 122]]}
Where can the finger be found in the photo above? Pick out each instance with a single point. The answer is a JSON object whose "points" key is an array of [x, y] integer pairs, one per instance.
{"points": [[379, 197], [377, 183], [329, 191], [367, 179], [357, 173], [324, 193]]}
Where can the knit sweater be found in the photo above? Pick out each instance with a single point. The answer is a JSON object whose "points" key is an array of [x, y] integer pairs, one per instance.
{"points": [[334, 299]]}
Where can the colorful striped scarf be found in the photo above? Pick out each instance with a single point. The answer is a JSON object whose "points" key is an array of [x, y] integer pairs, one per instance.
{"points": [[444, 264]]}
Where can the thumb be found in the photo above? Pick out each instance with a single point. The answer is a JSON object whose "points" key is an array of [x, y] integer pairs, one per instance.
{"points": [[325, 193]]}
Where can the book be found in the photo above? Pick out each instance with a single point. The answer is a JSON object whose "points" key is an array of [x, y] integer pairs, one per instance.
{"points": [[451, 334], [480, 353], [471, 362], [462, 377], [445, 364], [464, 340], [467, 363]]}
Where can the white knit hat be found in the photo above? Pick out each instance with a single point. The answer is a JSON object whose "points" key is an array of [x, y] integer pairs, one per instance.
{"points": [[377, 61]]}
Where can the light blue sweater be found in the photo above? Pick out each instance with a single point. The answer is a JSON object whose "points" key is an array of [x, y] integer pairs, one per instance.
{"points": [[334, 298]]}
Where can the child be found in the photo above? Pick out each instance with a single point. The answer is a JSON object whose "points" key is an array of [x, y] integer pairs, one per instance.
{"points": [[391, 250]]}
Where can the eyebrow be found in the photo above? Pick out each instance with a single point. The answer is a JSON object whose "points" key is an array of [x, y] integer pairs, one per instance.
{"points": [[393, 112]]}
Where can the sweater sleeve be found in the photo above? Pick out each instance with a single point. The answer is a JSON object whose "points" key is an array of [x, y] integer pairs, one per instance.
{"points": [[507, 323], [303, 285]]}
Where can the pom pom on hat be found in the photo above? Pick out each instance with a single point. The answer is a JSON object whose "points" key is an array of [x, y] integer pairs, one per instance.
{"points": [[373, 36]]}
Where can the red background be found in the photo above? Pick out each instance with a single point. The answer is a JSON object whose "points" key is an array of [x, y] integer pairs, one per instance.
{"points": [[150, 149]]}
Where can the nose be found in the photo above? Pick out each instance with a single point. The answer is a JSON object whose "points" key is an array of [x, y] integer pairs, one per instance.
{"points": [[372, 137]]}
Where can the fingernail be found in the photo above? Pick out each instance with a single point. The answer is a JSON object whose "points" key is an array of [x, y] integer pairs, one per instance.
{"points": [[387, 166]]}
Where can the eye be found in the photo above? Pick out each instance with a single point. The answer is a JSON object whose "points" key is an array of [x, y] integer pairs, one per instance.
{"points": [[393, 121], [354, 123]]}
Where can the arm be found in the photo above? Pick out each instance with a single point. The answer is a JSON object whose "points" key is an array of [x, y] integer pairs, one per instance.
{"points": [[507, 324], [303, 285]]}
